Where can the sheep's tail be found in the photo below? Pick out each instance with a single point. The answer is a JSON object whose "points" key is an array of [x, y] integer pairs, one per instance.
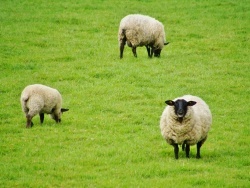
{"points": [[123, 31], [122, 35], [24, 99]]}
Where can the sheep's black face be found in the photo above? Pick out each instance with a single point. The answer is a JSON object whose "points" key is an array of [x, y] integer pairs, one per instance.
{"points": [[180, 107], [157, 52]]}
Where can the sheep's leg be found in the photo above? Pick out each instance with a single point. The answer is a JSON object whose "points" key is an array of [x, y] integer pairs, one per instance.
{"points": [[29, 123], [134, 51], [122, 42], [121, 50], [187, 150], [199, 144], [41, 117], [122, 47], [176, 150], [148, 50]]}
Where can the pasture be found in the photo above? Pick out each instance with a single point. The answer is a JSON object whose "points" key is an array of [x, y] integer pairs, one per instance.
{"points": [[110, 137]]}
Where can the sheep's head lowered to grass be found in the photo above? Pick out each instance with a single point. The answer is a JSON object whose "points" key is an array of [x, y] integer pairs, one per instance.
{"points": [[57, 118], [155, 51]]}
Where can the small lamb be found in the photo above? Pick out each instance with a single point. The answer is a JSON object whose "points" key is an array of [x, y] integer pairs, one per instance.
{"points": [[40, 99], [186, 121], [140, 30]]}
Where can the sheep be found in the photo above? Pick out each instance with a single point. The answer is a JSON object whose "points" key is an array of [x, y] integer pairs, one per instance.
{"points": [[140, 30], [41, 99], [186, 121]]}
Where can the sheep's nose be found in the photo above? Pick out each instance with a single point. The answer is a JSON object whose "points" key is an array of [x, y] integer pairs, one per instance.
{"points": [[180, 112]]}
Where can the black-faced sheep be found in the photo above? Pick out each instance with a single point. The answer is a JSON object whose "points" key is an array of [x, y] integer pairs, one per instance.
{"points": [[140, 30], [41, 99], [186, 121]]}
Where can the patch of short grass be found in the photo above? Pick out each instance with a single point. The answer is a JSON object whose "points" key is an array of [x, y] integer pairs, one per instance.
{"points": [[110, 137]]}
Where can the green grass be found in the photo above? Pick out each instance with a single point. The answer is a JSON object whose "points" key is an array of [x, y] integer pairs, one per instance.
{"points": [[111, 136]]}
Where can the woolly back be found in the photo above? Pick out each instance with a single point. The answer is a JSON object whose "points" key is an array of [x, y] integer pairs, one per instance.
{"points": [[50, 95]]}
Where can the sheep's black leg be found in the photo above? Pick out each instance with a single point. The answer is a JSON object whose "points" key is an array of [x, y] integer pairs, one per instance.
{"points": [[134, 51], [122, 48], [148, 50], [122, 43], [176, 150], [41, 117], [199, 144], [187, 150]]}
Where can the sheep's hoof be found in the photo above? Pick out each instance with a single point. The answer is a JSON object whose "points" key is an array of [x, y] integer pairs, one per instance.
{"points": [[29, 125]]}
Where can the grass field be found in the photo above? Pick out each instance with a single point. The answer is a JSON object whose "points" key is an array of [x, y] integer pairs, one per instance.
{"points": [[110, 137]]}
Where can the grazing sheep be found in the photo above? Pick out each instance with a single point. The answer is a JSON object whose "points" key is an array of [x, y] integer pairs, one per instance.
{"points": [[40, 99], [186, 120], [139, 30]]}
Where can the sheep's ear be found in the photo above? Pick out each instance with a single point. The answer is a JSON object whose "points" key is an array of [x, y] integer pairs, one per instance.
{"points": [[170, 102], [64, 109], [191, 103], [166, 43]]}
